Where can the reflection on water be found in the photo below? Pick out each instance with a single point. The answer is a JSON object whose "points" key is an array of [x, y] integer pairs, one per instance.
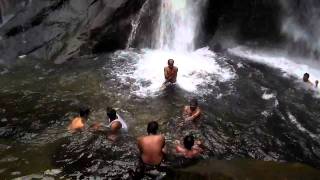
{"points": [[246, 116]]}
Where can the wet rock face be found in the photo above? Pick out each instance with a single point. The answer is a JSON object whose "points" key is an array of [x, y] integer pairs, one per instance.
{"points": [[62, 29], [247, 20]]}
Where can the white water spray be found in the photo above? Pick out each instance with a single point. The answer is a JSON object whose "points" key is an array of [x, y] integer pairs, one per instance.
{"points": [[175, 35], [301, 24], [178, 24], [288, 67]]}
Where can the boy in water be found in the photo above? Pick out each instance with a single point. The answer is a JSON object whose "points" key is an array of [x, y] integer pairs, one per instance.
{"points": [[78, 123], [192, 112], [190, 148]]}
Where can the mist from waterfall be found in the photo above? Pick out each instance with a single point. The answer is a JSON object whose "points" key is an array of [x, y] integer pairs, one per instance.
{"points": [[174, 38], [178, 24], [301, 24]]}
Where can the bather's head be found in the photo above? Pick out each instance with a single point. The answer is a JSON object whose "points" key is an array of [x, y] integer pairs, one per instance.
{"points": [[152, 127], [306, 77], [170, 63], [84, 112], [112, 114], [188, 142], [193, 104]]}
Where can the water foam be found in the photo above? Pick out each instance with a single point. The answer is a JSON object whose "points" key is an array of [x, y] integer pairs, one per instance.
{"points": [[195, 69], [289, 67], [294, 121], [178, 24]]}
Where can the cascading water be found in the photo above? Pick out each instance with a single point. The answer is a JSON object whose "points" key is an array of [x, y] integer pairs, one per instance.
{"points": [[135, 24], [178, 24], [301, 26], [177, 28]]}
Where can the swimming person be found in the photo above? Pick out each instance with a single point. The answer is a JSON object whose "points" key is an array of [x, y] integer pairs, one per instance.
{"points": [[190, 147], [151, 147], [193, 111], [170, 73], [116, 123], [78, 123]]}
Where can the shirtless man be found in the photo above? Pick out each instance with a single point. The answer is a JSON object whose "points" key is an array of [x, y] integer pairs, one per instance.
{"points": [[306, 79], [189, 148], [192, 112], [152, 146], [78, 123], [170, 73], [317, 82]]}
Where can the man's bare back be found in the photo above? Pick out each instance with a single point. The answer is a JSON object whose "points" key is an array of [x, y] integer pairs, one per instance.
{"points": [[76, 124], [151, 148]]}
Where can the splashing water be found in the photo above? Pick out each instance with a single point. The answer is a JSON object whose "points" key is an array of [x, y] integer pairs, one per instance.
{"points": [[176, 31], [300, 23], [289, 67], [178, 24], [195, 69]]}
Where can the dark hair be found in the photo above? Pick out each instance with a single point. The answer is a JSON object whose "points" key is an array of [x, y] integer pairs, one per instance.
{"points": [[306, 74], [170, 60], [152, 127], [188, 142], [193, 102], [84, 112], [112, 114]]}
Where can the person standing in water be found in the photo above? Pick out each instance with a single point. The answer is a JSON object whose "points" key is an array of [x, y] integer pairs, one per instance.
{"points": [[316, 84], [170, 73], [151, 147], [193, 111], [78, 123]]}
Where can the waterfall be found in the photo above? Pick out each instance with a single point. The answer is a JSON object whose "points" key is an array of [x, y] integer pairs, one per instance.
{"points": [[173, 37], [178, 24], [301, 24]]}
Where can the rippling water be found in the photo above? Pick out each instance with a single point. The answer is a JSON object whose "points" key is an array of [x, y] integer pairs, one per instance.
{"points": [[250, 111]]}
